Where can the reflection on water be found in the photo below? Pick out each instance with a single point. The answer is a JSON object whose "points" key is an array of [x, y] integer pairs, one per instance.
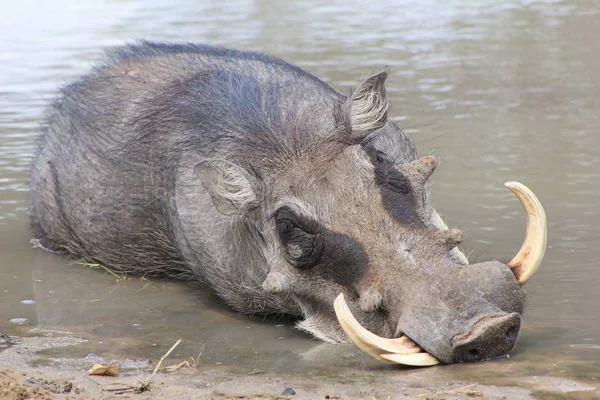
{"points": [[499, 90]]}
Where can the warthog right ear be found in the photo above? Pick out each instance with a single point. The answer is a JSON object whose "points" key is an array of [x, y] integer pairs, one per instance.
{"points": [[366, 108], [231, 187]]}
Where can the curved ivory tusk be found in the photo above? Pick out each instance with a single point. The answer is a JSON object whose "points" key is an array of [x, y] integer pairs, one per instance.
{"points": [[415, 359], [400, 345], [528, 259], [370, 343]]}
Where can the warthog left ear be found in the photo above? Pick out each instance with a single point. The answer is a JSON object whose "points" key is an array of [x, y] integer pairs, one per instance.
{"points": [[366, 109], [231, 187]]}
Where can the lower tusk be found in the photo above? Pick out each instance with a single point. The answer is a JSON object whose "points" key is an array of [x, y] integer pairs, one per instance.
{"points": [[347, 320], [415, 360], [528, 259], [372, 344]]}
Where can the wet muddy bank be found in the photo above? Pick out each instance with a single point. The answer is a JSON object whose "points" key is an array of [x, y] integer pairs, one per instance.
{"points": [[29, 371]]}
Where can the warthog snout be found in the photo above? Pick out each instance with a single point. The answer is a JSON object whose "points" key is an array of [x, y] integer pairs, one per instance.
{"points": [[461, 312], [491, 337]]}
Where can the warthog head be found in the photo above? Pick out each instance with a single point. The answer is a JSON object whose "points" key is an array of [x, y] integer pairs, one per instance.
{"points": [[347, 212]]}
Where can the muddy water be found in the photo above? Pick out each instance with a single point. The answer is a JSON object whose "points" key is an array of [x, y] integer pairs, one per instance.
{"points": [[498, 90]]}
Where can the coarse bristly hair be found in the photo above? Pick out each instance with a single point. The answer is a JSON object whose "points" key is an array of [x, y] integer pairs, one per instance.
{"points": [[177, 160], [129, 123]]}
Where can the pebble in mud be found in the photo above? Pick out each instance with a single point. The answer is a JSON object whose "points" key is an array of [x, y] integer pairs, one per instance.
{"points": [[28, 302], [18, 320], [4, 341], [288, 391]]}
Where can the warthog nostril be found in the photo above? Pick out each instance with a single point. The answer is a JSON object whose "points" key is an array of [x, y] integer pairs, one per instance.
{"points": [[490, 337]]}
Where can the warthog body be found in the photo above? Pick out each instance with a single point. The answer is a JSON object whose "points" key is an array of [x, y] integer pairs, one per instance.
{"points": [[257, 178]]}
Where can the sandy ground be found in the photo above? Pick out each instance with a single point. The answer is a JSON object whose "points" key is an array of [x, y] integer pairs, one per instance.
{"points": [[25, 373]]}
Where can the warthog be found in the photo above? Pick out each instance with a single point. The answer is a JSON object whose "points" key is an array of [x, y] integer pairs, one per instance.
{"points": [[249, 174]]}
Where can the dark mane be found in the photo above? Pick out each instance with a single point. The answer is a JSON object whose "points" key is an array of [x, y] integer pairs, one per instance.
{"points": [[146, 48], [260, 108]]}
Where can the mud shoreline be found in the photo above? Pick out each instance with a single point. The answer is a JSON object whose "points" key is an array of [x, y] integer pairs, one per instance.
{"points": [[29, 371]]}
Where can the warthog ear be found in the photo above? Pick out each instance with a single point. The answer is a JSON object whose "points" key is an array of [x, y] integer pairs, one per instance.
{"points": [[366, 108], [231, 187]]}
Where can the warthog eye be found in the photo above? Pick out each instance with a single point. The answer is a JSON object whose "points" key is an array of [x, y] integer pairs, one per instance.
{"points": [[302, 243], [380, 156]]}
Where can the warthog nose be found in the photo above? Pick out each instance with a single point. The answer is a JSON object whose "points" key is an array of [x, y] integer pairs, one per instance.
{"points": [[490, 337]]}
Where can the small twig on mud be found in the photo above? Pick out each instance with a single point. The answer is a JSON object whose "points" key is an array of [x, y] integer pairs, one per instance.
{"points": [[175, 367], [460, 390], [143, 385], [196, 361], [119, 390]]}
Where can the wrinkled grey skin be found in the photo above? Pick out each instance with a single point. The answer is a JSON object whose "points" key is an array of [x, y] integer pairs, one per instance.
{"points": [[251, 175]]}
